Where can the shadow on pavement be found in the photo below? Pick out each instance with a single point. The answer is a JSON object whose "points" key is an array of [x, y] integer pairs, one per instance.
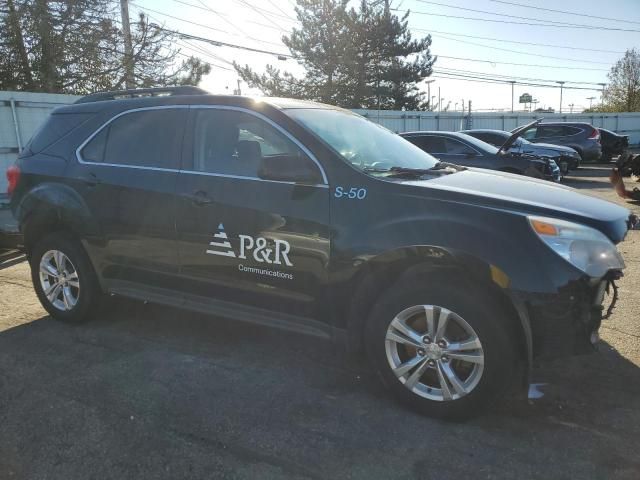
{"points": [[143, 391]]}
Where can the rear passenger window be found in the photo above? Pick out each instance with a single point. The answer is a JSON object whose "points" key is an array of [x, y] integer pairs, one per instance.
{"points": [[568, 131], [454, 147], [429, 143], [545, 131], [148, 138]]}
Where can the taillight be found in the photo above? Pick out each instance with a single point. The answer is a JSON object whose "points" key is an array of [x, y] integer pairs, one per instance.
{"points": [[595, 135], [13, 175]]}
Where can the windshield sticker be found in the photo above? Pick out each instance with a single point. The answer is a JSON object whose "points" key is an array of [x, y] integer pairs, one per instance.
{"points": [[258, 249]]}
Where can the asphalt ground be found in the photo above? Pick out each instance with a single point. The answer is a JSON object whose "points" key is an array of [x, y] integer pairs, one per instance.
{"points": [[144, 392]]}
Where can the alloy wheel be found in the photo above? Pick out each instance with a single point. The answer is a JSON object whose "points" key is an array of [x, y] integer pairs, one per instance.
{"points": [[434, 352], [59, 280]]}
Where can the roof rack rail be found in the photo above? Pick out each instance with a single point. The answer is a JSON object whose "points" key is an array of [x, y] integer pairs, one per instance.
{"points": [[142, 92]]}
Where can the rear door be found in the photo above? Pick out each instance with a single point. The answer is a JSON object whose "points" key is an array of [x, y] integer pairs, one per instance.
{"points": [[127, 173], [242, 239]]}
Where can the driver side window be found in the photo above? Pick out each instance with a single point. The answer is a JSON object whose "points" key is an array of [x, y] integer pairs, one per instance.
{"points": [[236, 143]]}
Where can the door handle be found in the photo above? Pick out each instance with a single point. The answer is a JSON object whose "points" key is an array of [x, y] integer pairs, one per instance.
{"points": [[91, 179], [201, 198]]}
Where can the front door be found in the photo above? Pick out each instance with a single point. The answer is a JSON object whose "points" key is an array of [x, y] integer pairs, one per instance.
{"points": [[243, 239]]}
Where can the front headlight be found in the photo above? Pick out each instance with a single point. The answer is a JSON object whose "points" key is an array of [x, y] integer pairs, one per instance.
{"points": [[584, 247]]}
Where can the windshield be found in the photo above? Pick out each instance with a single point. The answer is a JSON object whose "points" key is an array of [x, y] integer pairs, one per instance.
{"points": [[364, 144]]}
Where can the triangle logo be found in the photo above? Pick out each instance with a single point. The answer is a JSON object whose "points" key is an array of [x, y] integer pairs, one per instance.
{"points": [[220, 244]]}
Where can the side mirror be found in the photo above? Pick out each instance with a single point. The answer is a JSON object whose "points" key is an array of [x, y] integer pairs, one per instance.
{"points": [[289, 168]]}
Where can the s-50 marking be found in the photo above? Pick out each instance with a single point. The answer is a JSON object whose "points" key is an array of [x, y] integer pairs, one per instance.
{"points": [[451, 280], [352, 193]]}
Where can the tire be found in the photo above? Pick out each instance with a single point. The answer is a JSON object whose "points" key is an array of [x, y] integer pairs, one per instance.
{"points": [[76, 285], [478, 382]]}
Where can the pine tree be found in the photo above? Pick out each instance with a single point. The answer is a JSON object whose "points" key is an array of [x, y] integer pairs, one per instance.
{"points": [[354, 58]]}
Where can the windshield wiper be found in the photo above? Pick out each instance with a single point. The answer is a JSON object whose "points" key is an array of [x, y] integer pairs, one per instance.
{"points": [[440, 167]]}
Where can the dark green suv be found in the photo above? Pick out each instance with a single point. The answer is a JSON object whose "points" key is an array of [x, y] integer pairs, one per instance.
{"points": [[309, 217]]}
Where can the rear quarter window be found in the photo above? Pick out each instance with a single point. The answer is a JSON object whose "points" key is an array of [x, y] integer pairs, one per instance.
{"points": [[54, 128], [568, 131]]}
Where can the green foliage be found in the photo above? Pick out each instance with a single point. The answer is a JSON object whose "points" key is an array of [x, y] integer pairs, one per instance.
{"points": [[623, 92], [354, 58], [75, 46]]}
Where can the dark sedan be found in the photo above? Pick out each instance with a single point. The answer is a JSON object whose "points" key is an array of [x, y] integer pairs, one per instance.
{"points": [[462, 149], [566, 157]]}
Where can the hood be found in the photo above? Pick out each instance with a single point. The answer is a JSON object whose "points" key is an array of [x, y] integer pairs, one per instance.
{"points": [[515, 134], [527, 195], [534, 147]]}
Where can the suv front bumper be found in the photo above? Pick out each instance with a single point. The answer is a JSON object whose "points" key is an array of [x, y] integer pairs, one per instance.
{"points": [[568, 323]]}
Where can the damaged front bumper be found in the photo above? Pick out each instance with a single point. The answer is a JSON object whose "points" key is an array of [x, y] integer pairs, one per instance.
{"points": [[569, 323]]}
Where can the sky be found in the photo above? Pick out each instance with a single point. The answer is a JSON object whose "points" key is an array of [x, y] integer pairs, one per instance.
{"points": [[581, 57]]}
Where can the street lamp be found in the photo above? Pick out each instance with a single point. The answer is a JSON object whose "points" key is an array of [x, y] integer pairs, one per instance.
{"points": [[561, 84], [591, 99], [429, 82], [512, 82], [602, 98]]}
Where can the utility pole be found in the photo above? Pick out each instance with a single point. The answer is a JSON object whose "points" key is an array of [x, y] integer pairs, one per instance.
{"points": [[591, 99], [128, 48], [512, 82], [439, 101], [561, 85], [571, 108]]}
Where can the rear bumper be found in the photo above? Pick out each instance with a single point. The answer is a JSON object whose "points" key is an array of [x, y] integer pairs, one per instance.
{"points": [[592, 154], [10, 235], [568, 323]]}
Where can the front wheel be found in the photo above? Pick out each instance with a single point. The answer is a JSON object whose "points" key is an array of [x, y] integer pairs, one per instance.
{"points": [[443, 352], [63, 278]]}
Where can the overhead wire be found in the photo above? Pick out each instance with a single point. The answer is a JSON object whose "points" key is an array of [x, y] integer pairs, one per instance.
{"points": [[535, 44], [493, 20], [566, 12], [544, 20]]}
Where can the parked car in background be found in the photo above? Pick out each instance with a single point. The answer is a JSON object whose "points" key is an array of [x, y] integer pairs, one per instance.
{"points": [[612, 143], [566, 157], [582, 137], [462, 149]]}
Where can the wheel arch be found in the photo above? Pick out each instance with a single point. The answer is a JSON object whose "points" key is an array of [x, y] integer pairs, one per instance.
{"points": [[418, 264], [51, 208]]}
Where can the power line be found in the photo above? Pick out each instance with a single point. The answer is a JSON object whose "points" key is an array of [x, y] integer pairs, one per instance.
{"points": [[146, 9], [282, 11], [221, 13], [259, 11], [566, 24], [564, 11], [511, 77], [516, 41], [218, 43], [520, 64], [460, 76], [523, 52], [513, 22]]}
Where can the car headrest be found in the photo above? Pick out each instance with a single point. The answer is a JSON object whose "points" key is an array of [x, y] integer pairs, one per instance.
{"points": [[249, 150]]}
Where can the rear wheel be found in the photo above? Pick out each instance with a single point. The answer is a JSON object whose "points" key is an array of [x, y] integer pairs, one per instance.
{"points": [[63, 278], [445, 353]]}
